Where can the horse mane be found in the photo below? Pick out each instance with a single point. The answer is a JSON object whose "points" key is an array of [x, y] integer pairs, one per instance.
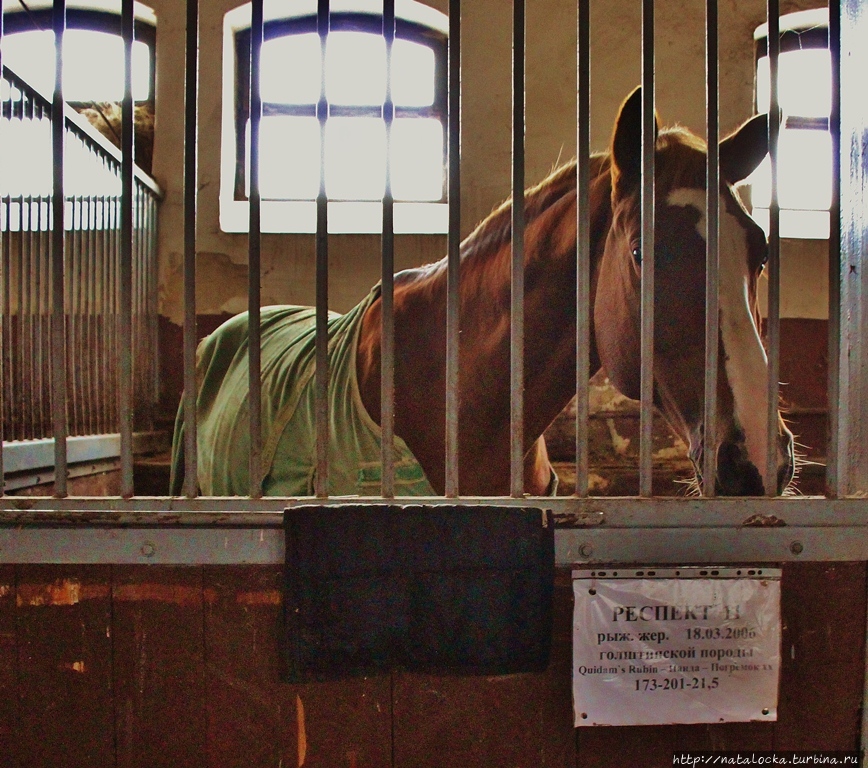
{"points": [[681, 151]]}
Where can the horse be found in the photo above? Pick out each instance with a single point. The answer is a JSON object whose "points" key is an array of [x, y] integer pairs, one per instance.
{"points": [[550, 326]]}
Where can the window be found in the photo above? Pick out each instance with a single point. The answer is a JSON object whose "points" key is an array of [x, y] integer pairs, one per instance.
{"points": [[93, 84], [93, 52], [354, 156], [805, 144]]}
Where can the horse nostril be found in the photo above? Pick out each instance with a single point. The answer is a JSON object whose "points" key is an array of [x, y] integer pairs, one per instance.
{"points": [[736, 475]]}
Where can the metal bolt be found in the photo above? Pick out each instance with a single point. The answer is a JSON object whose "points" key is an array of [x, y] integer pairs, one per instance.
{"points": [[586, 550], [797, 548], [148, 549]]}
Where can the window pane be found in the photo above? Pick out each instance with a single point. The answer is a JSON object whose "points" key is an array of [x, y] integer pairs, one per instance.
{"points": [[355, 158], [355, 68], [290, 72], [804, 83], [804, 172], [289, 149], [412, 74], [93, 64], [417, 159]]}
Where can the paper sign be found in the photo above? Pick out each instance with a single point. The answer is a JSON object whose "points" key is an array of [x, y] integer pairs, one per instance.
{"points": [[654, 651]]}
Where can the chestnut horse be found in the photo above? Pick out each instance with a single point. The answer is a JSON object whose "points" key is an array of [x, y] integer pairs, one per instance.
{"points": [[550, 277], [550, 328]]}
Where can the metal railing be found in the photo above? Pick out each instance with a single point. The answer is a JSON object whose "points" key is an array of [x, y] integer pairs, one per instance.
{"points": [[91, 306], [591, 528]]}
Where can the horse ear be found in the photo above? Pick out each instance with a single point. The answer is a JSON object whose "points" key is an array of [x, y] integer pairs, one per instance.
{"points": [[626, 149], [744, 150]]}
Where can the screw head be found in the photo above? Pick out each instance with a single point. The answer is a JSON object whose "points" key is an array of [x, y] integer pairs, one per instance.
{"points": [[586, 550], [797, 548], [148, 549]]}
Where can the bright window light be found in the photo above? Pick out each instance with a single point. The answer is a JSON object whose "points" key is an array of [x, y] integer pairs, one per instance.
{"points": [[93, 64], [355, 69], [28, 171], [412, 74], [355, 165], [804, 79], [804, 172], [291, 148], [290, 69], [417, 159], [352, 76]]}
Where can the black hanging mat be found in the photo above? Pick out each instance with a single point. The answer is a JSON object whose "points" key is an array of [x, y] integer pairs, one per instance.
{"points": [[456, 590]]}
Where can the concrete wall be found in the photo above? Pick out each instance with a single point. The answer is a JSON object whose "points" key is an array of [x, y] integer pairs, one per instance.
{"points": [[288, 260]]}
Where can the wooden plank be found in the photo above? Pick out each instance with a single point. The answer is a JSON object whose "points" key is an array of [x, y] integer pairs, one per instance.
{"points": [[823, 647], [725, 736], [643, 746], [253, 718], [66, 713], [515, 720], [159, 667], [8, 668]]}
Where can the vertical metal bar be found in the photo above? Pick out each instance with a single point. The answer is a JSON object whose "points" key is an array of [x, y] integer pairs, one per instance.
{"points": [[773, 323], [322, 286], [833, 392], [646, 417], [58, 325], [191, 84], [75, 278], [583, 241], [254, 254], [712, 250], [453, 257], [93, 360], [516, 309], [3, 277], [387, 358], [126, 262]]}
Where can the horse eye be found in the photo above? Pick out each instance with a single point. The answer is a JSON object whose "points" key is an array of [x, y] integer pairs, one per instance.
{"points": [[765, 260], [637, 254]]}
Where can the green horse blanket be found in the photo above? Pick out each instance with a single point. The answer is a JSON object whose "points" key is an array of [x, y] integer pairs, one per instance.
{"points": [[288, 412]]}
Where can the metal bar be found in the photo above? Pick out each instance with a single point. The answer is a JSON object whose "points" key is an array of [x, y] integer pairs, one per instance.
{"points": [[625, 531], [646, 418], [712, 250], [191, 86], [322, 271], [453, 319], [3, 305], [58, 325], [387, 349], [675, 512], [516, 309], [126, 262], [834, 487], [254, 268], [773, 322], [583, 241]]}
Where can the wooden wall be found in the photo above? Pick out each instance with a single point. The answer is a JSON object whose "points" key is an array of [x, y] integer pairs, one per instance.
{"points": [[178, 666]]}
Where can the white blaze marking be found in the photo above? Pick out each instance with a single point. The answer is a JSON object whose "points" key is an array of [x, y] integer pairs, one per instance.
{"points": [[746, 364]]}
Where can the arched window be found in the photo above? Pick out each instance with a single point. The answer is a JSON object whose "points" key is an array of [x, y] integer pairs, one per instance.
{"points": [[805, 144], [354, 156]]}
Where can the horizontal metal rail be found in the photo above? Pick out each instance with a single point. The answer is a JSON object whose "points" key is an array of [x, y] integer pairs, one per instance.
{"points": [[605, 530]]}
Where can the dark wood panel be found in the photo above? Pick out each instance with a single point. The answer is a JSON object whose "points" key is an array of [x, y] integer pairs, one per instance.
{"points": [[725, 736], [253, 718], [8, 668], [159, 666], [619, 746], [514, 720], [823, 650], [66, 711]]}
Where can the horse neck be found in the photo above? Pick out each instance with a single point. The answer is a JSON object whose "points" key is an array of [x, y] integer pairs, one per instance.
{"points": [[484, 306]]}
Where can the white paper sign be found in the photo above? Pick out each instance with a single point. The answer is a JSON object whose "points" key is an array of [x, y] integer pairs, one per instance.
{"points": [[654, 651]]}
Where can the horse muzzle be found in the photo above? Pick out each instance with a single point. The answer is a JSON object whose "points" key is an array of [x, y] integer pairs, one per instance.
{"points": [[737, 475]]}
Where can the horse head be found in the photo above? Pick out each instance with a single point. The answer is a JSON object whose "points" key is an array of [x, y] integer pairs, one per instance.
{"points": [[679, 297]]}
